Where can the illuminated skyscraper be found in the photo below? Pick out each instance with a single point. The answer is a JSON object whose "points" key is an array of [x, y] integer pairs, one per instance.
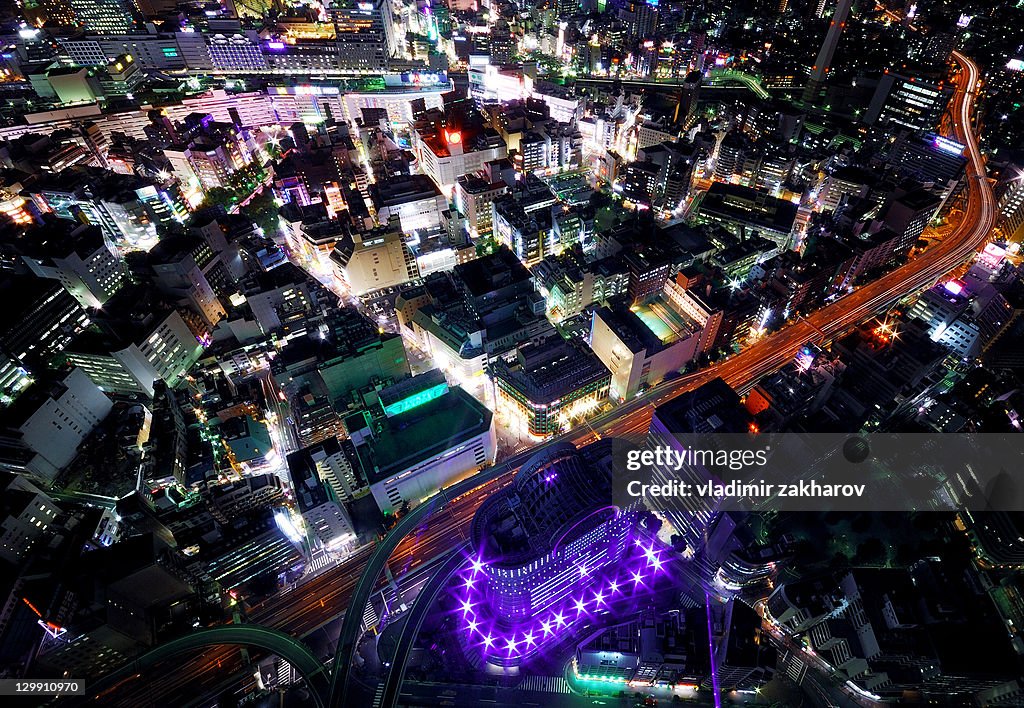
{"points": [[908, 101], [105, 16], [1011, 204]]}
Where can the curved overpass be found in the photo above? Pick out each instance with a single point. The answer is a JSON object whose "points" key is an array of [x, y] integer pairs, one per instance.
{"points": [[353, 620], [721, 76], [283, 645], [716, 78], [414, 621]]}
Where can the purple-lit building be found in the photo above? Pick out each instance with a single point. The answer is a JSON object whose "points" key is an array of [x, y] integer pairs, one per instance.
{"points": [[551, 552], [554, 527]]}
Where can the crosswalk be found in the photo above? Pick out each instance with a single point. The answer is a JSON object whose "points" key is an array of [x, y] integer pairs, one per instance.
{"points": [[321, 561], [370, 617], [795, 667], [545, 684], [284, 673]]}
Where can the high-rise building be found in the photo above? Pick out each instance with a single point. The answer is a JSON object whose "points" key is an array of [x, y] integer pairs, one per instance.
{"points": [[332, 466], [380, 258], [908, 101], [39, 321], [1011, 204], [519, 230], [908, 215], [473, 198], [326, 522], [550, 385], [548, 550], [182, 269], [48, 422], [823, 62], [429, 436], [370, 24], [964, 317], [711, 409], [79, 260], [135, 342], [502, 43], [26, 514], [105, 16]]}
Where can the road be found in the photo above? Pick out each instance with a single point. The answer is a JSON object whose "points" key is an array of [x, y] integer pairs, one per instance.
{"points": [[327, 595], [770, 353], [302, 610]]}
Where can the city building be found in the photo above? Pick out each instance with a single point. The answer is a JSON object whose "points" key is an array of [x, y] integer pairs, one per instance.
{"points": [[823, 63], [26, 515], [104, 16], [548, 386], [711, 409], [414, 200], [326, 522], [183, 269], [373, 260], [643, 344], [347, 354], [570, 285], [44, 427], [109, 604], [134, 342], [482, 309], [908, 101], [1011, 204], [252, 492], [331, 465], [963, 317], [81, 261], [746, 211], [447, 153], [427, 439], [39, 322], [473, 197], [541, 543], [249, 442], [908, 215]]}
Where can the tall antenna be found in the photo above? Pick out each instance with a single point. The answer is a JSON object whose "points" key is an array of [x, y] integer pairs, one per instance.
{"points": [[822, 65]]}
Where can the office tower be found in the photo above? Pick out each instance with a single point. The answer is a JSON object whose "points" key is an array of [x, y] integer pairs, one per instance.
{"points": [[1011, 204], [503, 44], [39, 320], [822, 65], [908, 216], [908, 101], [710, 410], [51, 420], [104, 16], [81, 262]]}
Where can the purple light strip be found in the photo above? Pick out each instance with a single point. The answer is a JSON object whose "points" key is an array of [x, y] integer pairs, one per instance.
{"points": [[597, 591], [711, 651]]}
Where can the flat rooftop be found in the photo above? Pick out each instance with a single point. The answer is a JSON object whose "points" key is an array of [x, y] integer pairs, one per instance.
{"points": [[664, 321], [419, 434]]}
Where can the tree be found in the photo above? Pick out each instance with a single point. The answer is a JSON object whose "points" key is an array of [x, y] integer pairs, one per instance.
{"points": [[263, 211], [870, 552]]}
